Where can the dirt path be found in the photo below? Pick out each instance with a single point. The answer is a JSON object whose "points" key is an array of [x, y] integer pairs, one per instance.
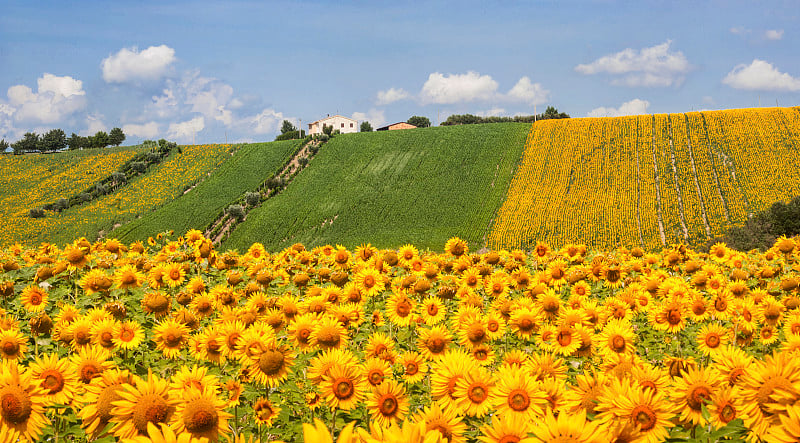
{"points": [[658, 188], [697, 182]]}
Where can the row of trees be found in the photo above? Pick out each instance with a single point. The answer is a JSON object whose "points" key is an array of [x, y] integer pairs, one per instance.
{"points": [[469, 119], [761, 229], [56, 140]]}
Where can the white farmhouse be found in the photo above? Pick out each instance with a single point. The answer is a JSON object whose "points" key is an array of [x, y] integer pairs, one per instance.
{"points": [[343, 124]]}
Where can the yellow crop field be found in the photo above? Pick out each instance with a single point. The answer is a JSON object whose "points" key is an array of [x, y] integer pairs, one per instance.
{"points": [[162, 183], [649, 181]]}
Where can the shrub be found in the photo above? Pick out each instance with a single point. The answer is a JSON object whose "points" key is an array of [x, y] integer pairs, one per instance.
{"points": [[274, 183], [252, 198], [303, 161], [60, 204], [236, 211], [118, 178], [36, 213], [139, 167]]}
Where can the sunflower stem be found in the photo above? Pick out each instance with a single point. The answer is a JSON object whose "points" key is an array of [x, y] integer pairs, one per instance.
{"points": [[333, 421]]}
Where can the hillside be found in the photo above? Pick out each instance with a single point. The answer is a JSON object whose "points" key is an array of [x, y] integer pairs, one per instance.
{"points": [[389, 187], [649, 180], [250, 165]]}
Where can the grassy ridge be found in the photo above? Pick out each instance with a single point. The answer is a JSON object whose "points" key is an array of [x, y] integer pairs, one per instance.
{"points": [[388, 188], [250, 166]]}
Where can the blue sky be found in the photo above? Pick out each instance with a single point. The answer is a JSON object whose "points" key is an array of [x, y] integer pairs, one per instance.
{"points": [[203, 71]]}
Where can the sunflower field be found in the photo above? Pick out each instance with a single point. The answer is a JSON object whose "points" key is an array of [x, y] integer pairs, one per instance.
{"points": [[649, 180], [172, 340]]}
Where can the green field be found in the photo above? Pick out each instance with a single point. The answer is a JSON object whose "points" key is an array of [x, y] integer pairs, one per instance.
{"points": [[389, 187], [251, 165]]}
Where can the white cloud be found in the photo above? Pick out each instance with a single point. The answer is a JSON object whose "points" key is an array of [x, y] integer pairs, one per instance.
{"points": [[739, 30], [209, 96], [375, 117], [269, 120], [761, 76], [529, 93], [633, 107], [494, 112], [56, 98], [7, 130], [774, 34], [185, 131], [655, 66], [94, 124], [129, 65], [455, 88], [708, 100], [146, 130], [391, 95]]}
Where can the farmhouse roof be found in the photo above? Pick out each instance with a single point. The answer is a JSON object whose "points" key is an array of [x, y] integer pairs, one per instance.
{"points": [[330, 117], [383, 128]]}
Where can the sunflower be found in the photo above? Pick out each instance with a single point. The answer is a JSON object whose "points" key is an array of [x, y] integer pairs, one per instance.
{"points": [[693, 391], [387, 403], [328, 334], [201, 414], [616, 338], [149, 401], [646, 412], [456, 247], [369, 282], [34, 299], [518, 394], [102, 333], [400, 309], [265, 412], [524, 323], [187, 379], [80, 330], [567, 428], [710, 338], [434, 342], [473, 333], [271, 365], [650, 377], [171, 336], [725, 406], [156, 303], [767, 388], [546, 336], [505, 429], [471, 279], [566, 341], [127, 335], [376, 371], [433, 310], [344, 386], [547, 365], [789, 432], [22, 407], [447, 372], [90, 363], [174, 275], [95, 281], [443, 418], [13, 344], [583, 395], [473, 392], [212, 344]]}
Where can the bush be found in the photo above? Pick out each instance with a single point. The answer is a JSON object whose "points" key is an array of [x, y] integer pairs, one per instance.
{"points": [[84, 197], [60, 204], [313, 149], [252, 198], [762, 229], [236, 211], [303, 161], [119, 178], [139, 167], [36, 213]]}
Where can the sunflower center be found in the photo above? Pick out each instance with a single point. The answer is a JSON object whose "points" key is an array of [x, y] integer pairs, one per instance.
{"points": [[126, 335], [10, 348], [388, 405], [82, 336], [36, 299], [699, 308], [509, 439], [477, 393], [618, 343], [271, 362], [343, 388], [712, 341], [412, 368], [526, 324], [673, 316], [52, 381], [649, 385], [727, 413], [480, 354], [564, 338], [303, 334], [200, 416], [105, 339], [328, 337], [403, 308], [16, 405], [172, 339], [476, 333], [518, 400], [720, 305], [151, 408], [104, 400], [433, 310], [128, 279], [369, 281], [89, 371], [697, 397], [375, 377], [644, 416], [550, 306]]}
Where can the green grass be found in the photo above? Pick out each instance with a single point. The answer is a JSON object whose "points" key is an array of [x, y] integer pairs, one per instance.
{"points": [[418, 186], [251, 165]]}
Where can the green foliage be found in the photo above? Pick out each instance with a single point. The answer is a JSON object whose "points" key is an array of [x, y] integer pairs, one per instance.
{"points": [[252, 198], [290, 135], [197, 208], [762, 229], [54, 140], [36, 213], [327, 130], [75, 142], [235, 211], [392, 187], [287, 126], [469, 119], [420, 122], [28, 143], [116, 137], [365, 127], [3, 145]]}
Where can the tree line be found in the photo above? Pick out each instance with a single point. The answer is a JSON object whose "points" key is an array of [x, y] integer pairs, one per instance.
{"points": [[56, 140], [469, 119]]}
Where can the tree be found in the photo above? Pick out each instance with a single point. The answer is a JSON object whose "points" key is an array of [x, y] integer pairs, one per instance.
{"points": [[116, 137], [28, 143], [551, 112], [54, 140], [366, 127], [287, 126], [75, 141], [99, 140], [3, 145], [420, 122], [327, 129]]}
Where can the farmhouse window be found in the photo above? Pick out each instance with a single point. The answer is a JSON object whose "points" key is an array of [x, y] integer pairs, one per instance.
{"points": [[351, 125], [343, 125]]}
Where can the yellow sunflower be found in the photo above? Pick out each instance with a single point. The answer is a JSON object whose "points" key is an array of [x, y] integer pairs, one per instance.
{"points": [[22, 407], [271, 365], [506, 429], [572, 428], [149, 401], [201, 414], [518, 394], [34, 299], [98, 400], [434, 342], [387, 404], [691, 392], [344, 386], [474, 392], [90, 363], [264, 411], [127, 335], [13, 344], [171, 336]]}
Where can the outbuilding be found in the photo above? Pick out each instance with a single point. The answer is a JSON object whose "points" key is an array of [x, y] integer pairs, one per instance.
{"points": [[343, 124], [395, 126]]}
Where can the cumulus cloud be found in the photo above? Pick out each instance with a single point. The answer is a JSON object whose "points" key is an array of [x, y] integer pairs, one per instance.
{"points": [[656, 66], [94, 124], [738, 30], [269, 120], [774, 34], [130, 65], [456, 88], [56, 98], [145, 130], [391, 95], [494, 112], [375, 117], [760, 76], [185, 131], [529, 93], [633, 107]]}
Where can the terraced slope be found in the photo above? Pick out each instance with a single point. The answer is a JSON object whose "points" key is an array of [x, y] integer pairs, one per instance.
{"points": [[251, 165], [392, 187], [161, 184], [32, 180], [649, 180]]}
